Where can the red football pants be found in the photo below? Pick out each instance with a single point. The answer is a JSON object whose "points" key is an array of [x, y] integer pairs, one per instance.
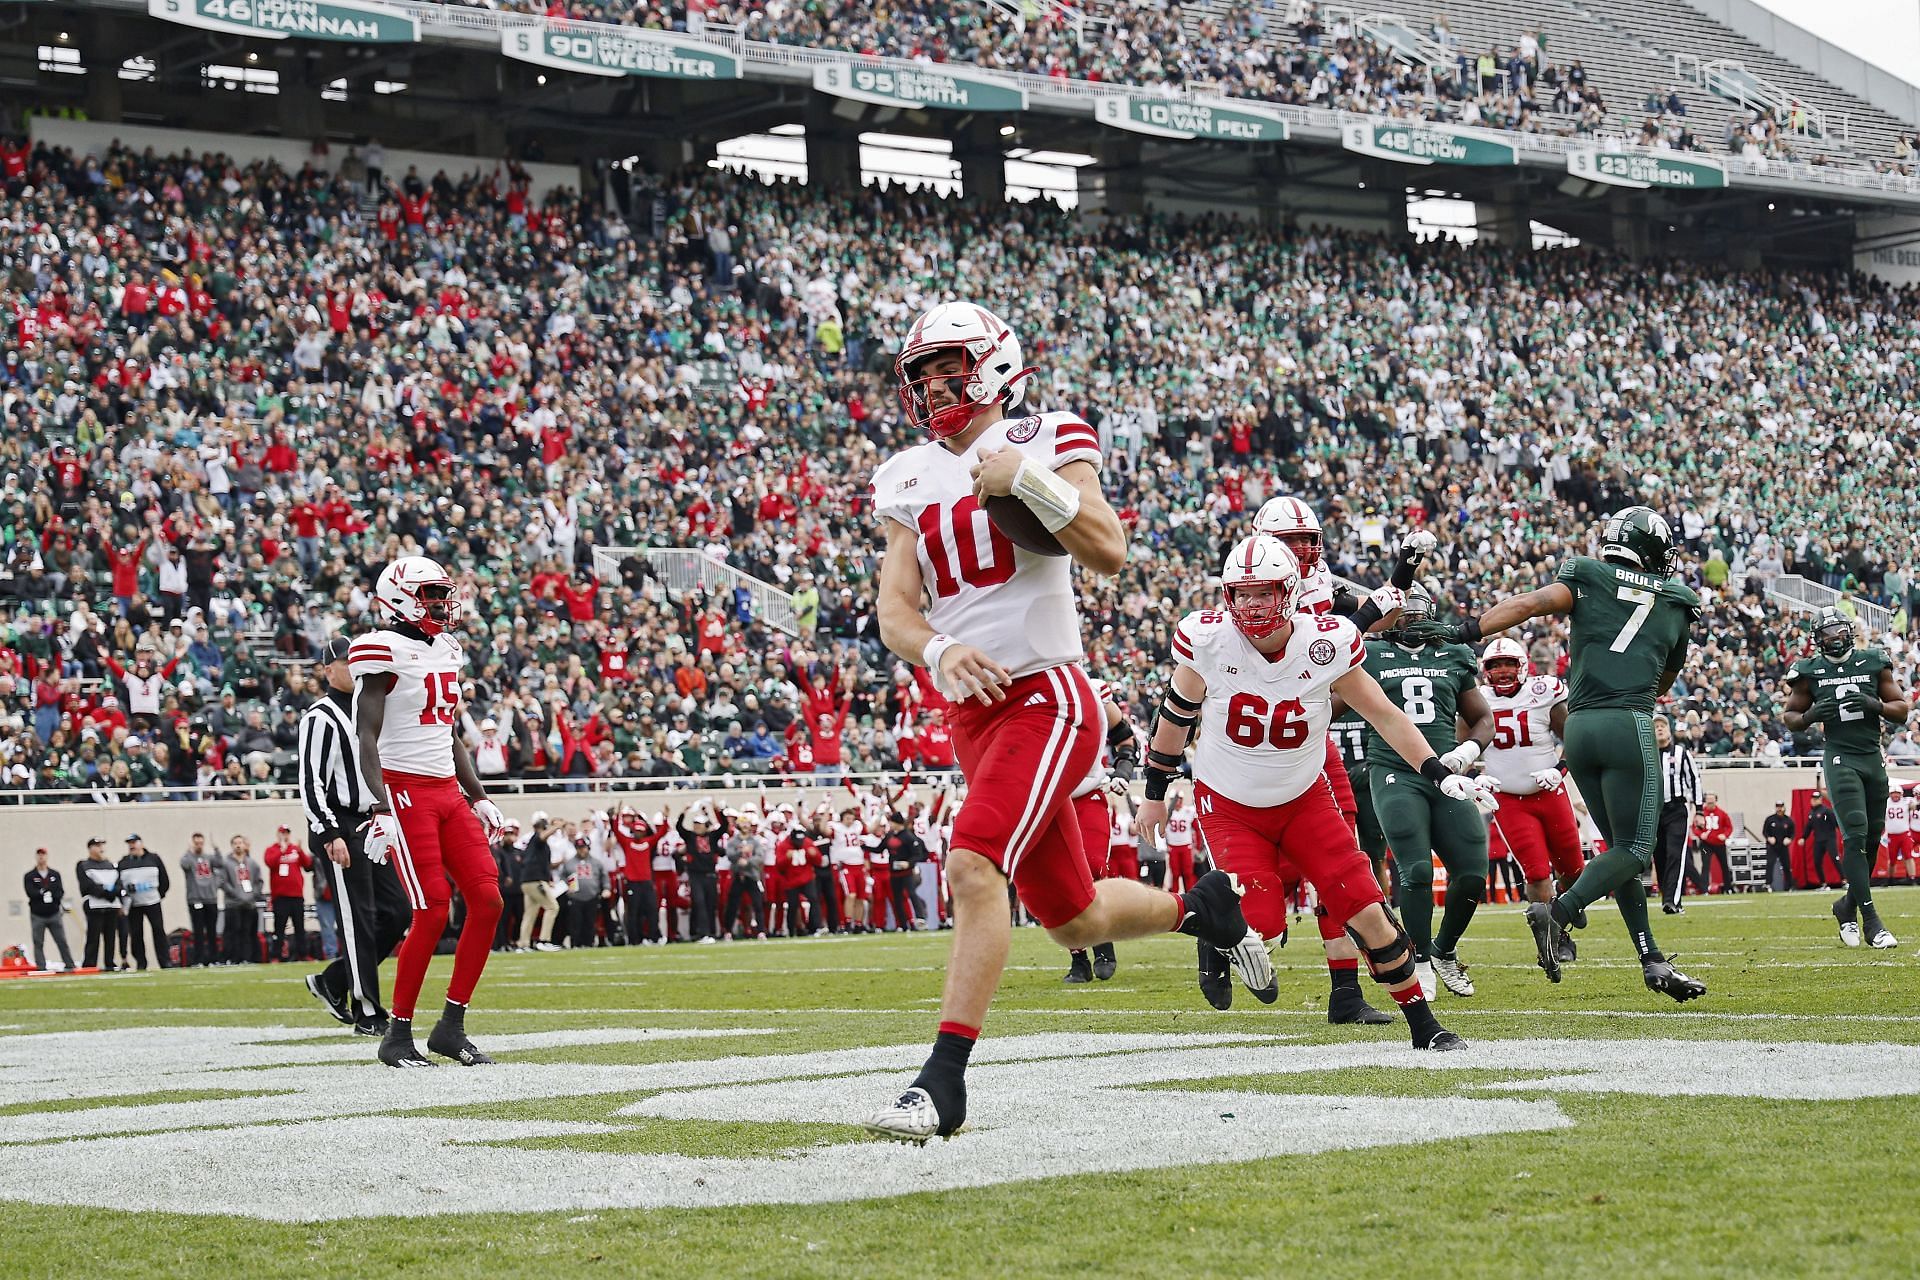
{"points": [[1541, 833], [440, 840], [1022, 758], [1303, 839]]}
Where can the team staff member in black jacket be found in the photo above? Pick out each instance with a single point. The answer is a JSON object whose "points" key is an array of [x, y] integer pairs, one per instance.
{"points": [[46, 893], [374, 912], [143, 882], [98, 881], [1778, 833], [905, 852], [704, 829]]}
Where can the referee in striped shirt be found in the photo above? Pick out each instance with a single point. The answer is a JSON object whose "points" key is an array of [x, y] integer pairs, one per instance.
{"points": [[1679, 796], [374, 912]]}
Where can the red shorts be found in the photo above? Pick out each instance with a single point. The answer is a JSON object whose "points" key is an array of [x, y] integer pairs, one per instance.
{"points": [[1540, 831], [879, 881], [1900, 845], [439, 840], [852, 880], [1336, 771], [1096, 826], [1303, 839], [1179, 867], [1123, 862], [1022, 758]]}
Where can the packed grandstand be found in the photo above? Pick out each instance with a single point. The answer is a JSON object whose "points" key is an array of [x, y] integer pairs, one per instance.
{"points": [[232, 392]]}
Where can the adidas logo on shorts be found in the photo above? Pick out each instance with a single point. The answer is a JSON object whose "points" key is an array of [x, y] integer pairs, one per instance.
{"points": [[1036, 700]]}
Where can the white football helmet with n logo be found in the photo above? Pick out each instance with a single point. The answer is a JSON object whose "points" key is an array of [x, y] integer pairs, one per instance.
{"points": [[995, 373], [1293, 522], [1256, 562], [416, 590]]}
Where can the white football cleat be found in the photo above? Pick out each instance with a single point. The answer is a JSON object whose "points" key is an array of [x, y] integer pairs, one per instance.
{"points": [[911, 1117], [1850, 933], [1883, 940], [1250, 960], [1453, 975], [1429, 985]]}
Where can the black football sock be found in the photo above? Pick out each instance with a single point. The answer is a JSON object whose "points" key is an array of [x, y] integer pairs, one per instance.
{"points": [[944, 1076]]}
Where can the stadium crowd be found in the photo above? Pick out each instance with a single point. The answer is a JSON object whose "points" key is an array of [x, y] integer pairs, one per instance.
{"points": [[1274, 52], [229, 398]]}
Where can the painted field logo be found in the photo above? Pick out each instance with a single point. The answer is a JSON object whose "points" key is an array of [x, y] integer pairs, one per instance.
{"points": [[1042, 1106]]}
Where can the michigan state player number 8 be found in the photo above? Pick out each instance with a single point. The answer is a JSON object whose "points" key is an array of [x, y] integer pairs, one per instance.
{"points": [[1417, 692]]}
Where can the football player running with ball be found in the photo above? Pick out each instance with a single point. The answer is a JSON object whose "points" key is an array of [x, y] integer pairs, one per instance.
{"points": [[430, 813], [1435, 684], [1849, 693], [1258, 680], [996, 625], [1629, 621], [1535, 821]]}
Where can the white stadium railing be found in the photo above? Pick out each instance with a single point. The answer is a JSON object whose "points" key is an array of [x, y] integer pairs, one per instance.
{"points": [[1805, 596], [683, 571]]}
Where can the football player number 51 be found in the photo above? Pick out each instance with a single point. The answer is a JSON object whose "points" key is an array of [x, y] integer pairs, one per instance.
{"points": [[443, 697]]}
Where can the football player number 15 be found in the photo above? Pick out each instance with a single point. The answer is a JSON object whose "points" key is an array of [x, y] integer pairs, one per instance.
{"points": [[443, 697], [964, 546]]}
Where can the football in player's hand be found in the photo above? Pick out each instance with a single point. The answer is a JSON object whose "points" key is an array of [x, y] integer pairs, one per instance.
{"points": [[1023, 528]]}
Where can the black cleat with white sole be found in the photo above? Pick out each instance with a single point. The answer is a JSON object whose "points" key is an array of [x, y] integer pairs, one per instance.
{"points": [[1546, 937], [449, 1038], [1354, 1011], [1216, 977], [1444, 1041], [397, 1048], [338, 1008], [1660, 975]]}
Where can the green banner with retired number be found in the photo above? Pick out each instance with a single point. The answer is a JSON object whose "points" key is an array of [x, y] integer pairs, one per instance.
{"points": [[915, 87], [346, 21], [602, 50], [1188, 118], [1421, 143], [1619, 167]]}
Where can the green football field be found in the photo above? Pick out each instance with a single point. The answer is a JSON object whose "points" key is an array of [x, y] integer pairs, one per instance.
{"points": [[685, 1111]]}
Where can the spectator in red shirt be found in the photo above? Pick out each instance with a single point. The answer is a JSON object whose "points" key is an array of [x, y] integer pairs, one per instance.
{"points": [[1712, 829], [125, 563], [287, 867], [580, 600]]}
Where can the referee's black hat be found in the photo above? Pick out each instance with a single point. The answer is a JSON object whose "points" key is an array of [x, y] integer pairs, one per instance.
{"points": [[335, 650]]}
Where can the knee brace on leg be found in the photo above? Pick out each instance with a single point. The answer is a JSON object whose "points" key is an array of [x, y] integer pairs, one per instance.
{"points": [[1474, 888], [1393, 962]]}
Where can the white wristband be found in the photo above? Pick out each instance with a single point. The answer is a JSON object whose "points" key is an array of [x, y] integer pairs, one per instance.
{"points": [[932, 654], [1461, 758], [1054, 500]]}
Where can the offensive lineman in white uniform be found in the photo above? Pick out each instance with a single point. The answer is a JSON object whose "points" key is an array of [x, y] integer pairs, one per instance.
{"points": [[429, 812], [1535, 819], [998, 629], [1265, 677], [1295, 525]]}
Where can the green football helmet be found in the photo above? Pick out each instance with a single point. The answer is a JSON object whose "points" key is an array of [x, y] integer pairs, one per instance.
{"points": [[1419, 608], [1833, 633], [1641, 538]]}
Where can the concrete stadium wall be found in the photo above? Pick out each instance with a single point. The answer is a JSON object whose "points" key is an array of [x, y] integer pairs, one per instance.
{"points": [[1747, 794], [85, 136]]}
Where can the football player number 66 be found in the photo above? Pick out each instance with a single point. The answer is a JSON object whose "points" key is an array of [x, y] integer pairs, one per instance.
{"points": [[1249, 723]]}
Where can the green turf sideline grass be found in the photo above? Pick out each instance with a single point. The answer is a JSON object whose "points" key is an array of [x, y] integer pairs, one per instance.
{"points": [[1638, 1183]]}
